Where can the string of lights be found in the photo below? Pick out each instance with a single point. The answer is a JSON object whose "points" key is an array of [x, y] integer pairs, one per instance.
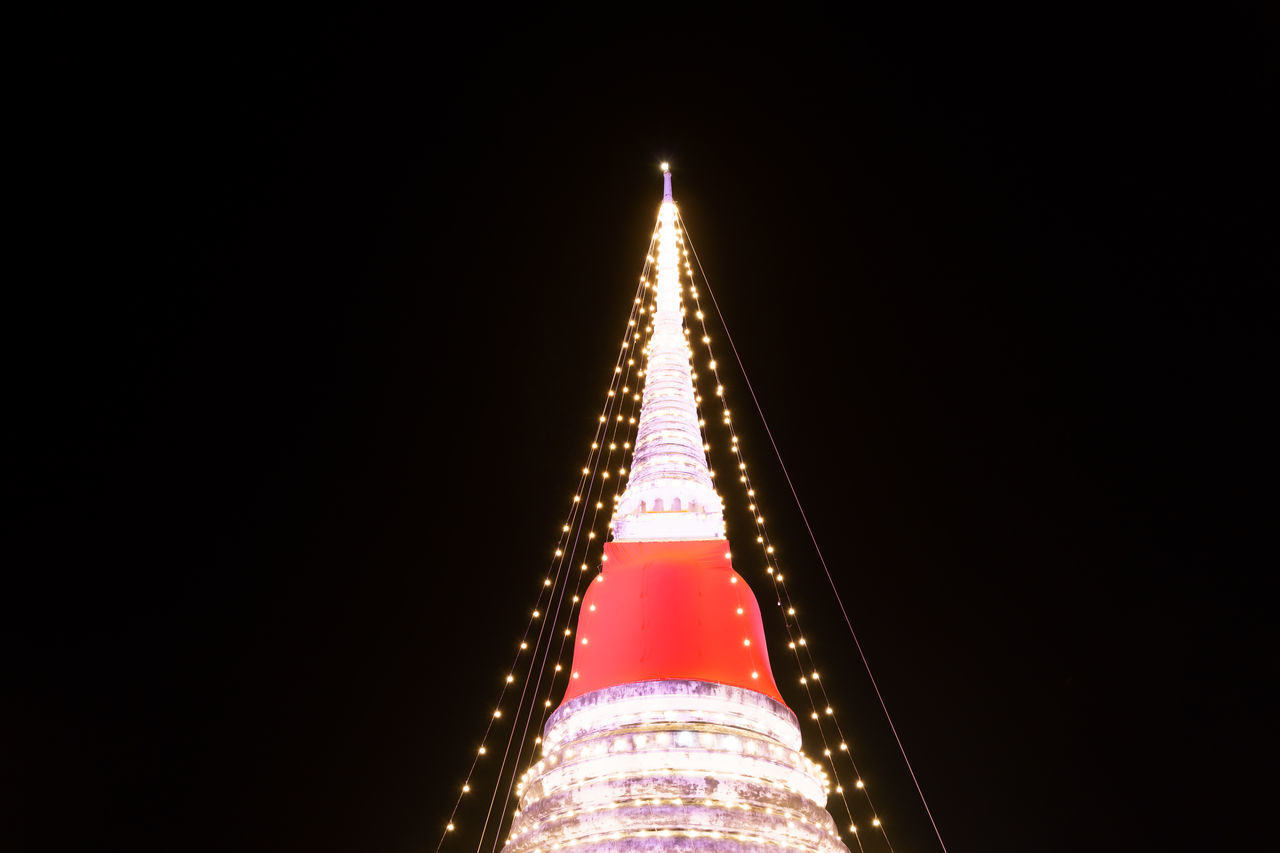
{"points": [[796, 641], [563, 555], [752, 502], [607, 420], [617, 422]]}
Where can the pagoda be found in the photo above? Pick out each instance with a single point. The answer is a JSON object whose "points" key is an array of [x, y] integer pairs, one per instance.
{"points": [[672, 734]]}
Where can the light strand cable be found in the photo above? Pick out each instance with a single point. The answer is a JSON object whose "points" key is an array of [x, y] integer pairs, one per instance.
{"points": [[546, 710], [612, 440], [781, 590], [567, 630], [628, 421], [758, 518], [566, 559], [814, 540], [521, 647], [601, 430]]}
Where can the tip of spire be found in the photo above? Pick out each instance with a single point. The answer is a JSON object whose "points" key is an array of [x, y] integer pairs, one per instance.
{"points": [[666, 181]]}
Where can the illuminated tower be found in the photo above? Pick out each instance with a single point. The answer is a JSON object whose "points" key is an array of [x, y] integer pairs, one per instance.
{"points": [[672, 734]]}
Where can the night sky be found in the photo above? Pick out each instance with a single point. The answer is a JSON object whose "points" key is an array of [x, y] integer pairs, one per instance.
{"points": [[323, 310]]}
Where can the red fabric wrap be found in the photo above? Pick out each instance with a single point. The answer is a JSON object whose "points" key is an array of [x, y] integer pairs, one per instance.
{"points": [[669, 610]]}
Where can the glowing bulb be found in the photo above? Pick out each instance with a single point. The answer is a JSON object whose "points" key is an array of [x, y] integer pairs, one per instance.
{"points": [[510, 678], [859, 784], [536, 614], [845, 747], [497, 714], [466, 788], [449, 828], [739, 611], [875, 821], [665, 167], [482, 750], [829, 711], [746, 642]]}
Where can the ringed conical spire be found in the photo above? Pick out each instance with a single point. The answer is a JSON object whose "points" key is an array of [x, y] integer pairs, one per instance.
{"points": [[670, 494]]}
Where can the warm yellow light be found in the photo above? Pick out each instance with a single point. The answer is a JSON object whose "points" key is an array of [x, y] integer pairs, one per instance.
{"points": [[466, 788], [875, 821], [859, 784], [449, 828], [510, 678], [497, 714], [666, 167]]}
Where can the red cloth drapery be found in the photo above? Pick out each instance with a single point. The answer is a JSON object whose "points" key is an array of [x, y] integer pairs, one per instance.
{"points": [[664, 610]]}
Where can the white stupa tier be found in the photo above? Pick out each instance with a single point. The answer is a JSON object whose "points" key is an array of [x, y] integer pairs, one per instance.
{"points": [[674, 765], [669, 494]]}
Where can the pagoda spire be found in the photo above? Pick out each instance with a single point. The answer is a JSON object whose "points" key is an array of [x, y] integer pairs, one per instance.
{"points": [[669, 494]]}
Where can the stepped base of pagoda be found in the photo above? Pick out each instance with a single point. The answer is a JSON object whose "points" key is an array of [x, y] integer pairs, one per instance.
{"points": [[673, 765]]}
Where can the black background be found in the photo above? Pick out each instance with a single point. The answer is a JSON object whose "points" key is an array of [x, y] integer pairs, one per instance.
{"points": [[322, 312]]}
